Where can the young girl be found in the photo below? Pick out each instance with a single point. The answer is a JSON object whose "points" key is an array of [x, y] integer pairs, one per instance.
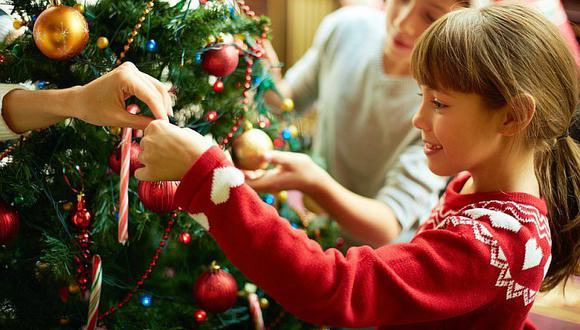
{"points": [[499, 88]]}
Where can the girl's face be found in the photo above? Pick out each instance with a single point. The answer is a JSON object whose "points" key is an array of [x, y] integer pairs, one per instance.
{"points": [[406, 21], [459, 132]]}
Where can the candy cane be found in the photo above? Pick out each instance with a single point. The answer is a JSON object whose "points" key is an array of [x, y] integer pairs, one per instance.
{"points": [[97, 277], [256, 311], [123, 232]]}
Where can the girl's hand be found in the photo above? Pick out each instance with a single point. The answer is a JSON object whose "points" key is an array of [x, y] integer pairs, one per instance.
{"points": [[294, 171], [102, 101], [168, 151]]}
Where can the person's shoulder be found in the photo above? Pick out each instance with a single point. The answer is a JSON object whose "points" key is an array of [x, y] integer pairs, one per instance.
{"points": [[357, 19]]}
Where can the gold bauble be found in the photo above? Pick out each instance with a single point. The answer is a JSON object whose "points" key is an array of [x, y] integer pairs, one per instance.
{"points": [[67, 206], [282, 196], [73, 288], [264, 303], [249, 149], [287, 105], [311, 205], [102, 42], [80, 8], [61, 32], [293, 130], [17, 24]]}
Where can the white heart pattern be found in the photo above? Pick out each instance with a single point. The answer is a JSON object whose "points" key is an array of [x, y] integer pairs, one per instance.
{"points": [[533, 255], [497, 219], [224, 179], [201, 219]]}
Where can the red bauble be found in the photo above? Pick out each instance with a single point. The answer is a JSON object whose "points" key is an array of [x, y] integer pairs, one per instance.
{"points": [[215, 291], [157, 196], [81, 218], [184, 238], [9, 223], [221, 62], [218, 86], [200, 315], [115, 159]]}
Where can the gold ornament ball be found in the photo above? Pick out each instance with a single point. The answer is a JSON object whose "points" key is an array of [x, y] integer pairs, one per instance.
{"points": [[17, 24], [67, 206], [282, 196], [264, 303], [74, 288], [102, 42], [61, 32], [116, 131], [293, 130], [287, 105], [64, 320], [311, 205], [80, 8], [249, 149]]}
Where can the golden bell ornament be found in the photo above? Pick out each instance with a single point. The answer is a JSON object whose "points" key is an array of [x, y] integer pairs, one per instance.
{"points": [[249, 149], [102, 42], [61, 32]]}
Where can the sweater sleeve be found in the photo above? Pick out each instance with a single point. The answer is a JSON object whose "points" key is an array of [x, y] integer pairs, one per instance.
{"points": [[430, 278], [411, 190], [5, 132]]}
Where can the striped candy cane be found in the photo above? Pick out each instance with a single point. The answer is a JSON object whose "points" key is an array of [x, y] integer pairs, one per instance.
{"points": [[97, 277], [123, 231], [256, 311]]}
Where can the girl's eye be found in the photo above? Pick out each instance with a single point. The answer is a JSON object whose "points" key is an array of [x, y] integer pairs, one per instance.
{"points": [[438, 105]]}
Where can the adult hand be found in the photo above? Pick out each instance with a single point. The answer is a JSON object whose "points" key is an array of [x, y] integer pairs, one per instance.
{"points": [[169, 151], [102, 101]]}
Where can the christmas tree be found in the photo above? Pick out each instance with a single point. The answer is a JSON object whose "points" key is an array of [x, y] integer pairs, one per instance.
{"points": [[60, 187]]}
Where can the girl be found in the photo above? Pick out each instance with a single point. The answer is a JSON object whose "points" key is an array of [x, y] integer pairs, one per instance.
{"points": [[499, 88]]}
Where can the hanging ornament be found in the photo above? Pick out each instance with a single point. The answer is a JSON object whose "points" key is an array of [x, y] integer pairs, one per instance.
{"points": [[220, 62], [61, 32], [146, 300], [287, 105], [264, 303], [218, 87], [249, 149], [215, 291], [184, 238], [80, 7], [151, 46], [9, 223], [115, 159], [81, 218], [200, 315], [157, 196], [17, 24], [212, 116], [102, 42]]}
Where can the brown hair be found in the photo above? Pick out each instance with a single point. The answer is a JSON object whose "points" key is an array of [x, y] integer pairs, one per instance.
{"points": [[501, 52]]}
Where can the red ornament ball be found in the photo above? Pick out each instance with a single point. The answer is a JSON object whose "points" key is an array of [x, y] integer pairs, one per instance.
{"points": [[184, 238], [200, 315], [215, 291], [218, 86], [157, 196], [212, 116], [115, 159], [9, 223], [220, 62]]}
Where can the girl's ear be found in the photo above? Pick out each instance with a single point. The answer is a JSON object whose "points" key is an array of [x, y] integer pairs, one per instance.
{"points": [[519, 112]]}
